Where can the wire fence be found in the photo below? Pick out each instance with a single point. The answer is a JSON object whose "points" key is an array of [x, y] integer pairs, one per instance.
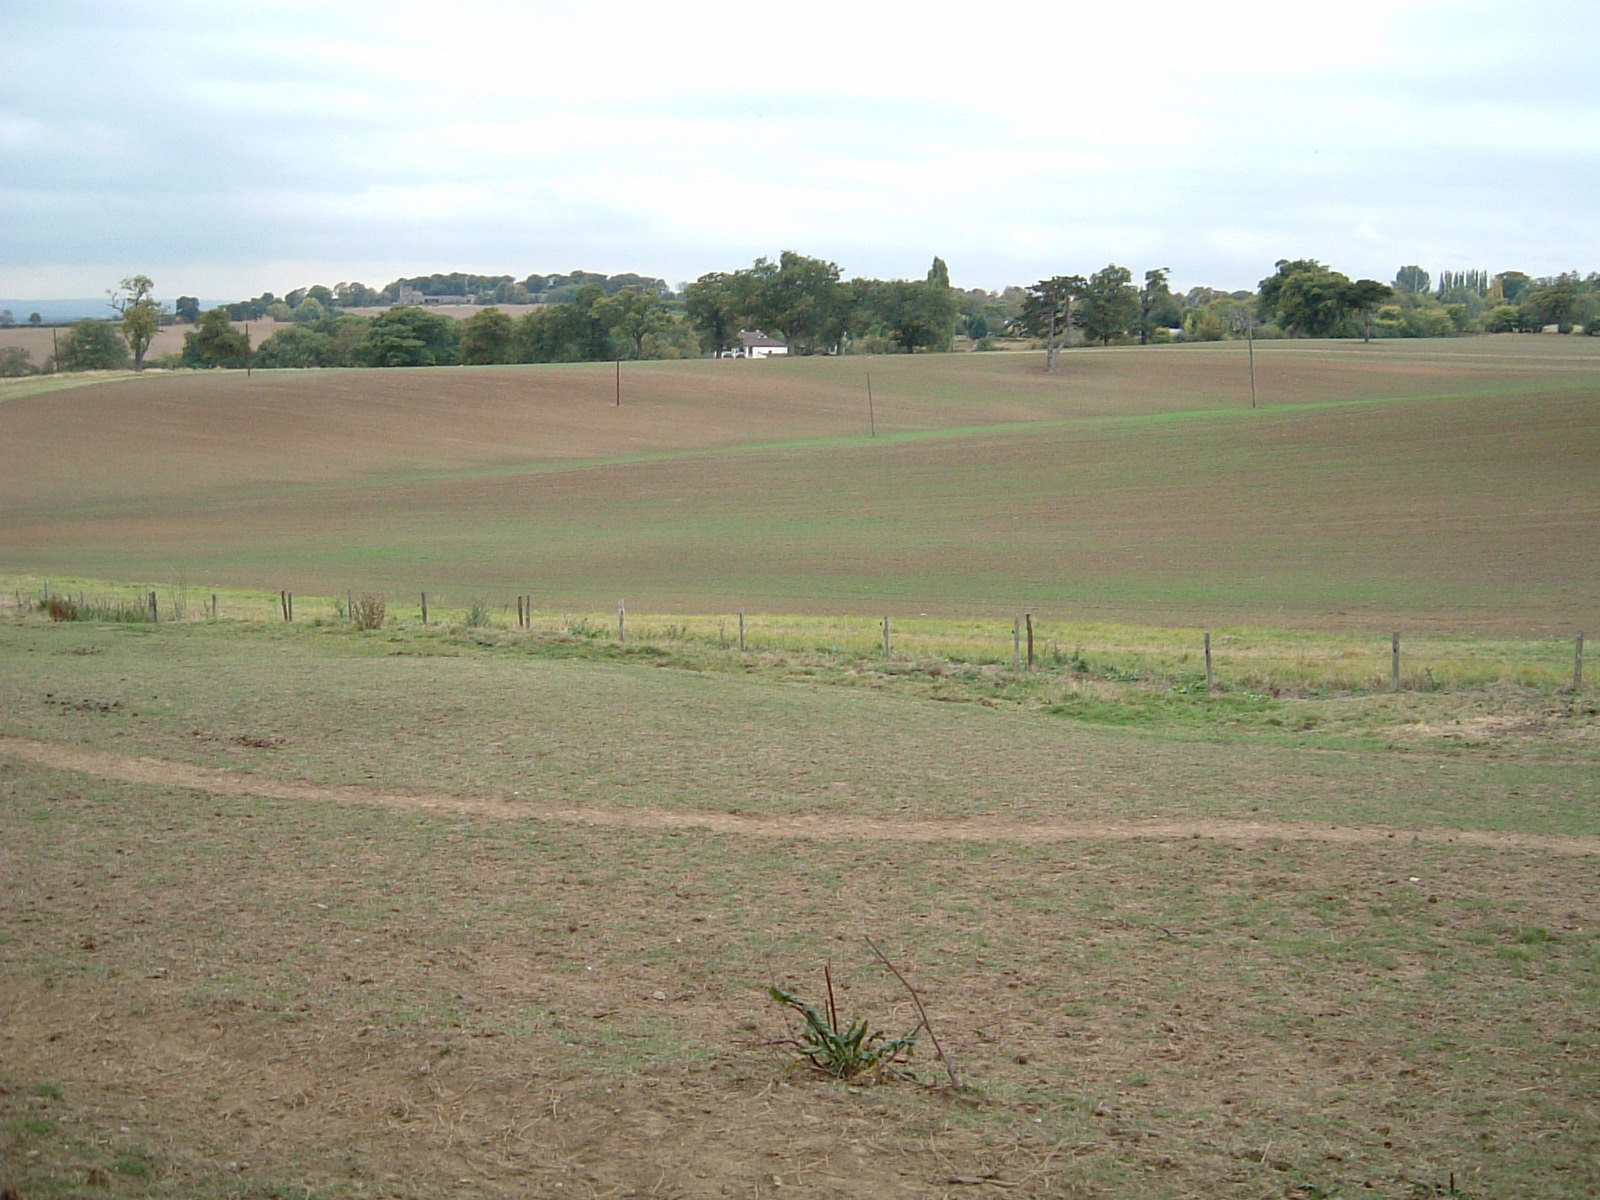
{"points": [[1271, 662]]}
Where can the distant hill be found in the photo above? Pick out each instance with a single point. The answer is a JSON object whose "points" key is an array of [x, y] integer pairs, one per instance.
{"points": [[57, 312]]}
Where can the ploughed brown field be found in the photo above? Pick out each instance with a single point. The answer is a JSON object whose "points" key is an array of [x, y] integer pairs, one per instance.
{"points": [[1442, 485]]}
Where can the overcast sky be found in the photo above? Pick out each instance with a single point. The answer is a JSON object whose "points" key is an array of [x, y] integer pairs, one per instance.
{"points": [[228, 149]]}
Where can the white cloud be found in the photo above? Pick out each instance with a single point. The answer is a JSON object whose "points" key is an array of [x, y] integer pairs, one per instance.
{"points": [[213, 150]]}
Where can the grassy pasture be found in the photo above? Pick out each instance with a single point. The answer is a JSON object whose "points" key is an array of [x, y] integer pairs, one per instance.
{"points": [[1433, 485], [297, 911]]}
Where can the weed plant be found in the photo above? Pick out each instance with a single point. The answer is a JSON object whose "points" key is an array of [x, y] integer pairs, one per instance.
{"points": [[368, 610], [845, 1051], [108, 611]]}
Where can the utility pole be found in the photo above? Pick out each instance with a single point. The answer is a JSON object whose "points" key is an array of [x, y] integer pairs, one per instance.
{"points": [[1248, 322]]}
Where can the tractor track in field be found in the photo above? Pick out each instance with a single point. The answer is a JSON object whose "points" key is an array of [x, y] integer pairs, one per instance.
{"points": [[829, 827]]}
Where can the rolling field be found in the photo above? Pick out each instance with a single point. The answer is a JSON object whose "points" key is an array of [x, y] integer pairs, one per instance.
{"points": [[1428, 485], [292, 910]]}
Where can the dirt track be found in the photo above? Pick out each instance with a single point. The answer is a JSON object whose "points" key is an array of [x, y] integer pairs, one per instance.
{"points": [[833, 827]]}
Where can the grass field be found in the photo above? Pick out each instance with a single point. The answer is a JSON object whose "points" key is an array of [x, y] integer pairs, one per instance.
{"points": [[293, 910], [306, 911]]}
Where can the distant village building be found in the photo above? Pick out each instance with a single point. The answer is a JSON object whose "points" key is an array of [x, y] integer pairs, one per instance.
{"points": [[755, 344], [410, 296]]}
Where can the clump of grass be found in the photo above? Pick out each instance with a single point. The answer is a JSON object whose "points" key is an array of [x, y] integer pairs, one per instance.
{"points": [[368, 610], [65, 608], [134, 1163], [478, 615]]}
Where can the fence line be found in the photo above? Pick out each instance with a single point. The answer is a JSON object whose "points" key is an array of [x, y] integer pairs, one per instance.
{"points": [[895, 637]]}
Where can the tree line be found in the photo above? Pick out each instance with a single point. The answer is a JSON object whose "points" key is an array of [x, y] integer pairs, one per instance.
{"points": [[582, 316]]}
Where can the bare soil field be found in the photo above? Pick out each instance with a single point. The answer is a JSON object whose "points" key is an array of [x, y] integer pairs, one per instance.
{"points": [[1434, 485]]}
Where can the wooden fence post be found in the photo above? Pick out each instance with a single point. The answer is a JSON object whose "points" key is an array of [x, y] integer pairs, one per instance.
{"points": [[622, 620], [741, 631], [153, 615], [1394, 662], [424, 610], [1029, 618], [1016, 643], [1577, 665], [1210, 679], [886, 650], [213, 606]]}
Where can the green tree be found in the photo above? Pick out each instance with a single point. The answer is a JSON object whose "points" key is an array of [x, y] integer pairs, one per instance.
{"points": [[1158, 307], [1110, 305], [1316, 302], [631, 315], [1553, 302], [913, 314], [1502, 318], [802, 299], [409, 337], [1512, 285], [1270, 288], [355, 295], [6, 319], [1365, 296], [537, 335], [1412, 281], [585, 332], [675, 339], [717, 305], [486, 337], [1047, 312], [35, 319], [187, 309], [92, 346], [135, 303], [571, 332], [1304, 297], [14, 362], [939, 303], [295, 346], [215, 342]]}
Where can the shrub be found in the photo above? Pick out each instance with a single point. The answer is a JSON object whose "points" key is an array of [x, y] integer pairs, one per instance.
{"points": [[62, 608], [14, 362], [368, 610]]}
